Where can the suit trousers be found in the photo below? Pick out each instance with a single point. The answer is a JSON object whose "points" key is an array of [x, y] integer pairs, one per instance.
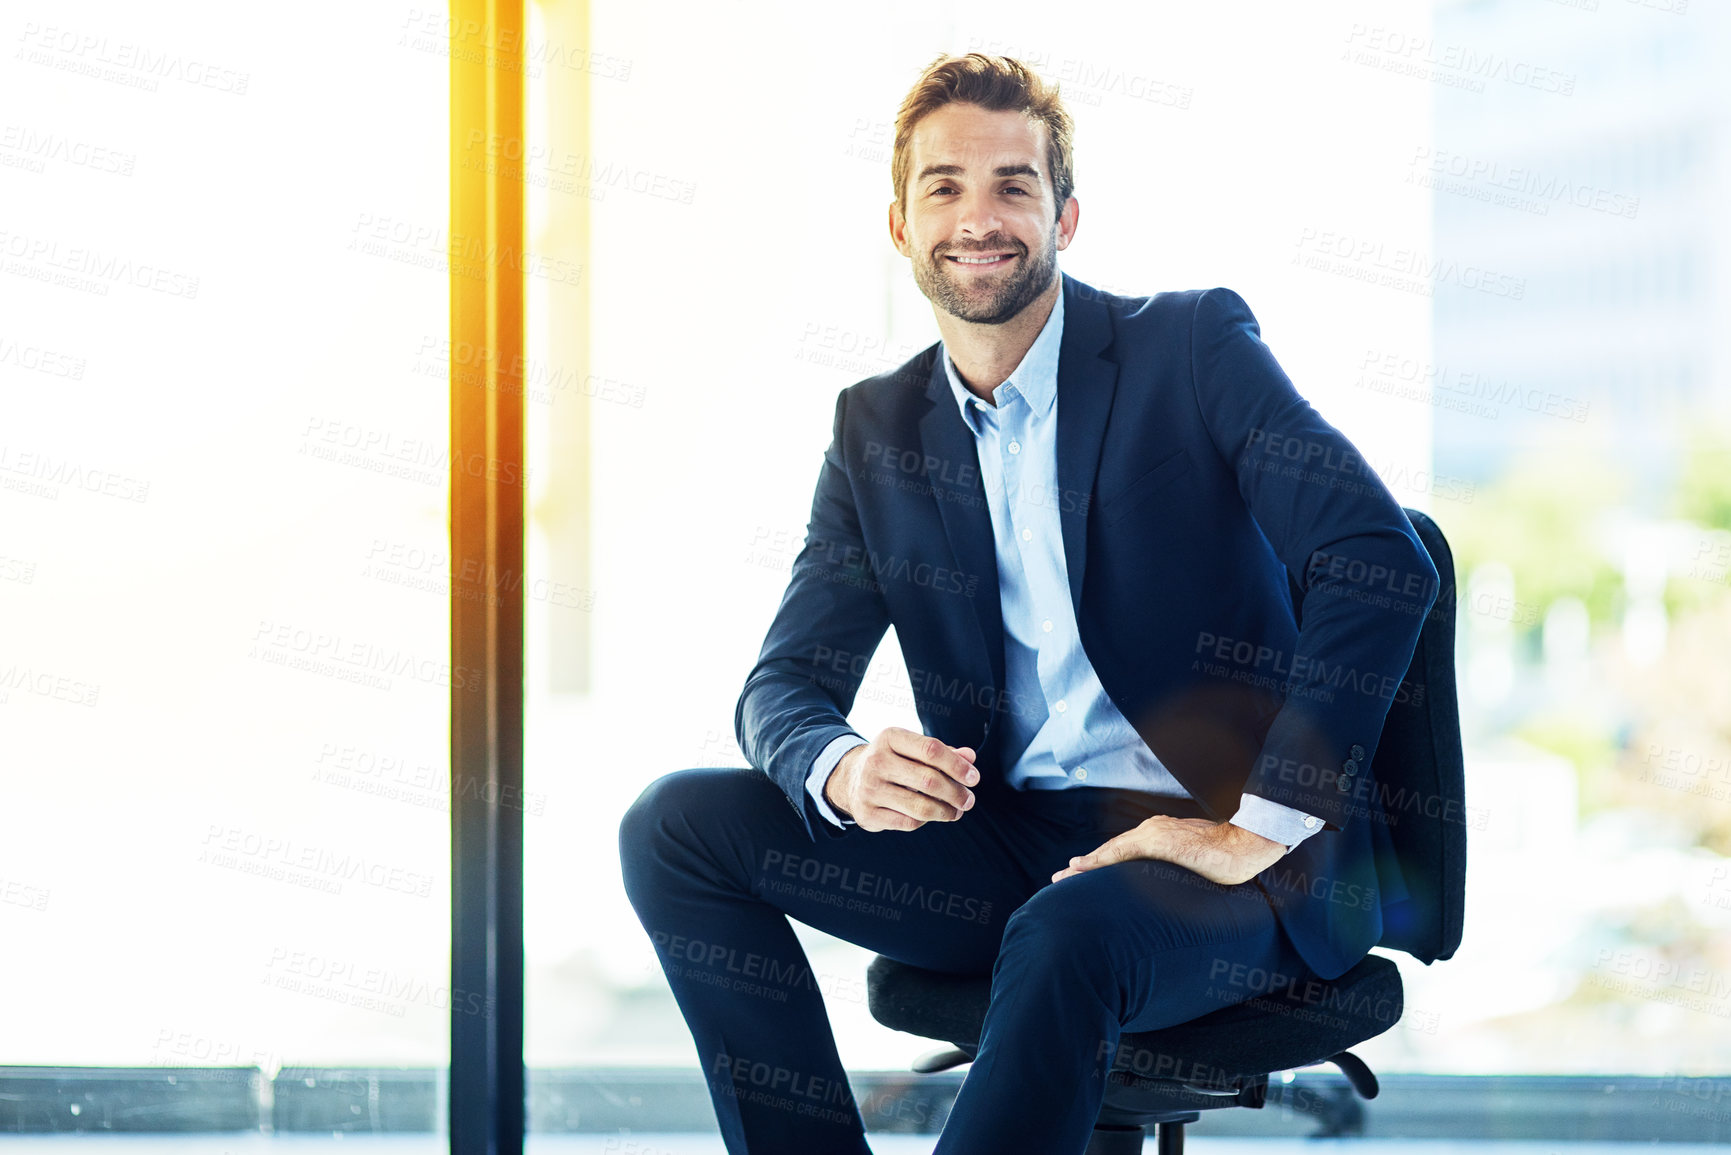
{"points": [[715, 862]]}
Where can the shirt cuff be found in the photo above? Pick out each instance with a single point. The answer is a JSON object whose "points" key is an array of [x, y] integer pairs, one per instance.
{"points": [[1273, 821], [820, 772]]}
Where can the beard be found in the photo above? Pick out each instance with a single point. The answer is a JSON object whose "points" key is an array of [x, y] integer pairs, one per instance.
{"points": [[986, 301]]}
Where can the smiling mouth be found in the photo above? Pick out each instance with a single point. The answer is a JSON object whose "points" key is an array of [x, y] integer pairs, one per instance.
{"points": [[982, 261]]}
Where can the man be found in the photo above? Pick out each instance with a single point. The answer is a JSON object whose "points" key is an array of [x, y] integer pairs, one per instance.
{"points": [[1088, 517]]}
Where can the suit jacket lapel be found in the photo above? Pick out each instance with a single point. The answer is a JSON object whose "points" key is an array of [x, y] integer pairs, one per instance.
{"points": [[950, 453], [1086, 384]]}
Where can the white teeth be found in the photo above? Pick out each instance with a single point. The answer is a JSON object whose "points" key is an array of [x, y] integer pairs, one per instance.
{"points": [[976, 260]]}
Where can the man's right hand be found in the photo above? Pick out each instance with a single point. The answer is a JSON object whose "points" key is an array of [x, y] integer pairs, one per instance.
{"points": [[901, 781]]}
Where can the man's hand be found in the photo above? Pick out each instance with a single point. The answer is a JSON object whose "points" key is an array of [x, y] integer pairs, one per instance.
{"points": [[901, 781], [1218, 851]]}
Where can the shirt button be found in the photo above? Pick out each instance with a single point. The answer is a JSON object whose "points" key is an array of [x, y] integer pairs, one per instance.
{"points": [[1060, 705], [1310, 822], [1027, 535], [1081, 772], [1015, 447], [1046, 625]]}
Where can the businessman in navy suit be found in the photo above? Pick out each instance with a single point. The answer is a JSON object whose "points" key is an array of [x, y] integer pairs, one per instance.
{"points": [[1141, 775]]}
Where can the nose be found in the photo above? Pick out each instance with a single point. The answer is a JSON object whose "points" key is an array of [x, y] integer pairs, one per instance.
{"points": [[979, 216]]}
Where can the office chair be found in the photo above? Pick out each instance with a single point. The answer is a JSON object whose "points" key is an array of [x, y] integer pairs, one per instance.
{"points": [[1165, 1078]]}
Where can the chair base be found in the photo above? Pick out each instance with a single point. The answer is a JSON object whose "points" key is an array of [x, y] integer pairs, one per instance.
{"points": [[1114, 1140]]}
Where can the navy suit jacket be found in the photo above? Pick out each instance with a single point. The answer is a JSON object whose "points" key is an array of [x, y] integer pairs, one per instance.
{"points": [[1245, 586]]}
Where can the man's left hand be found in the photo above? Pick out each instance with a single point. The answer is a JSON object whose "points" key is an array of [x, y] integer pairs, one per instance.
{"points": [[1218, 851]]}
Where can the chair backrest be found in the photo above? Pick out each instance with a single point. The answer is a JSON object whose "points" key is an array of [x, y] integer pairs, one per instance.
{"points": [[1419, 772]]}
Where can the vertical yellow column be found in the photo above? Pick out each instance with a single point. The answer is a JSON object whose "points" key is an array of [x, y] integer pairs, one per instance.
{"points": [[485, 253]]}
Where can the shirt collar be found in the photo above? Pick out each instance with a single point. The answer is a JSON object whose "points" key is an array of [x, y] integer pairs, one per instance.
{"points": [[1035, 378]]}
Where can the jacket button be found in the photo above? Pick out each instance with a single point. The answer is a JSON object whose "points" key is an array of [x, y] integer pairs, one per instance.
{"points": [[1348, 768], [1343, 784], [1357, 752]]}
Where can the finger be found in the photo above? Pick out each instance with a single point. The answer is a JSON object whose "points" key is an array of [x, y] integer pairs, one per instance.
{"points": [[923, 779], [921, 807], [967, 752], [932, 752], [1103, 855], [884, 818]]}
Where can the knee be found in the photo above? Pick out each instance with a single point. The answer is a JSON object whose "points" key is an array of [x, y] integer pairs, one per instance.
{"points": [[1065, 926], [1052, 922], [664, 808]]}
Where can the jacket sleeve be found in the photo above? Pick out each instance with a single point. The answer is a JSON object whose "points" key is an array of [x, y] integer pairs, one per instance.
{"points": [[1365, 580], [830, 621]]}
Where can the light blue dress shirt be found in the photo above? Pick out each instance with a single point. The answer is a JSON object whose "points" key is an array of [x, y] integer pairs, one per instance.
{"points": [[1062, 731]]}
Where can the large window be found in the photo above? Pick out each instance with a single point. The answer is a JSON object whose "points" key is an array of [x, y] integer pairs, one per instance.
{"points": [[1486, 239], [225, 680]]}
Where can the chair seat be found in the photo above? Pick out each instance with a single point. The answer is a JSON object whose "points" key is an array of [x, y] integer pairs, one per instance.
{"points": [[1273, 1032]]}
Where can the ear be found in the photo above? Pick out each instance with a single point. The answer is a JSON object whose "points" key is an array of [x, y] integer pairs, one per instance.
{"points": [[898, 229], [1067, 221]]}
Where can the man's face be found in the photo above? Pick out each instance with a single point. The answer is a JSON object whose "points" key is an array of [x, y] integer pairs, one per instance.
{"points": [[979, 226]]}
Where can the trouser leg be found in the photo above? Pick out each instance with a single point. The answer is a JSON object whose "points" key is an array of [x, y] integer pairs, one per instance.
{"points": [[715, 861], [1131, 947]]}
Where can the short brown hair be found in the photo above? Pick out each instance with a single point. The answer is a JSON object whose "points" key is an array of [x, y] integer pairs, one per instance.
{"points": [[995, 83]]}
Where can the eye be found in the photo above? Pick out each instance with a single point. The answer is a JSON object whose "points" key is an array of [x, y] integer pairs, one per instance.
{"points": [[1016, 188]]}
